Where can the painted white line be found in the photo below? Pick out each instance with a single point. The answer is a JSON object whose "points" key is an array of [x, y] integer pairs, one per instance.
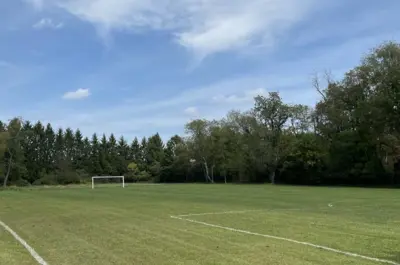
{"points": [[33, 253], [215, 213], [233, 212], [289, 240]]}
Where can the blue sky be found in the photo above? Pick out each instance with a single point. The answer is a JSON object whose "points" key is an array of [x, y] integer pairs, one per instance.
{"points": [[136, 67]]}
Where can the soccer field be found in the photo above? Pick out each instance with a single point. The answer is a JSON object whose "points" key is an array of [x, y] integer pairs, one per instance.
{"points": [[201, 224]]}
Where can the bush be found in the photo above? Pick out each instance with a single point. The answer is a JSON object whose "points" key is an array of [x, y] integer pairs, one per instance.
{"points": [[47, 179], [37, 182], [68, 177], [143, 176], [22, 183]]}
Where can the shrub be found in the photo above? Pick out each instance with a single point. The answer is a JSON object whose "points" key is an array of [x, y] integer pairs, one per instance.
{"points": [[143, 176], [22, 183]]}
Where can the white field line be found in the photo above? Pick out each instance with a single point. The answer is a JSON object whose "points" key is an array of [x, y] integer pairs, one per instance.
{"points": [[215, 213], [31, 251], [233, 212], [289, 240]]}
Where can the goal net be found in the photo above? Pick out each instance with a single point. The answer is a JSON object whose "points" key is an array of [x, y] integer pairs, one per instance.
{"points": [[120, 180]]}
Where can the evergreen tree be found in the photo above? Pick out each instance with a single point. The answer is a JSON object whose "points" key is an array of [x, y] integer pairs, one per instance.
{"points": [[351, 137], [104, 156], [49, 154], [154, 156], [143, 155], [95, 166], [78, 160], [69, 141], [135, 151], [59, 146]]}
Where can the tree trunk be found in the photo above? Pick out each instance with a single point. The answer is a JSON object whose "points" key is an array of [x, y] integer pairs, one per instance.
{"points": [[275, 166], [272, 177], [8, 170], [207, 176], [212, 173]]}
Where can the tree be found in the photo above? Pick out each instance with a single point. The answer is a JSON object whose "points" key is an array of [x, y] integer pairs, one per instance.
{"points": [[199, 143], [169, 168], [13, 149], [78, 159], [122, 158], [104, 156], [143, 155], [49, 154], [154, 156], [133, 172], [95, 166], [135, 151], [272, 114], [69, 141], [357, 115], [4, 138], [351, 136]]}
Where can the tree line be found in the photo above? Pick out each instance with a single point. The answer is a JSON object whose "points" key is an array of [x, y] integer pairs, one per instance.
{"points": [[350, 137]]}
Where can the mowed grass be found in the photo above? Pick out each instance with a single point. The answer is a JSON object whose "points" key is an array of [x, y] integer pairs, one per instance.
{"points": [[111, 225]]}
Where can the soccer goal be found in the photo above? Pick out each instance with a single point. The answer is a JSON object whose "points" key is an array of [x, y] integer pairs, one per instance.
{"points": [[108, 178]]}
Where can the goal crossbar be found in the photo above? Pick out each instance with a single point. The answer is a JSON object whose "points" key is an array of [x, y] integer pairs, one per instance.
{"points": [[109, 177]]}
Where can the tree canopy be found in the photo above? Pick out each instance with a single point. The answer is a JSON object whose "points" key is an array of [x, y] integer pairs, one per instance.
{"points": [[350, 137]]}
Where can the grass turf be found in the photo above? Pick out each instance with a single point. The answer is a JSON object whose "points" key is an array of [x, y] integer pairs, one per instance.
{"points": [[111, 225]]}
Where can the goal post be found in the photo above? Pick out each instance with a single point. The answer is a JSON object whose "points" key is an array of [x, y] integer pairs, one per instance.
{"points": [[109, 177]]}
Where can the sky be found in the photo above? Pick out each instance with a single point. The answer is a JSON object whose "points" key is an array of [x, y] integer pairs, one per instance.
{"points": [[137, 67]]}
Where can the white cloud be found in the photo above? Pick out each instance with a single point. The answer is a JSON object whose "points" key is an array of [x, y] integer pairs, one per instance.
{"points": [[78, 94], [191, 111], [37, 4], [145, 116], [202, 26], [47, 23], [246, 96]]}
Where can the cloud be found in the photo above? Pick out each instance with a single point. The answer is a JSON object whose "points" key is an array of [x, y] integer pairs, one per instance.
{"points": [[246, 96], [191, 111], [78, 94], [47, 23], [204, 27], [149, 112], [145, 116], [37, 4]]}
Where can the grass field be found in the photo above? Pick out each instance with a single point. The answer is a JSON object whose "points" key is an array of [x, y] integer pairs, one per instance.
{"points": [[111, 225]]}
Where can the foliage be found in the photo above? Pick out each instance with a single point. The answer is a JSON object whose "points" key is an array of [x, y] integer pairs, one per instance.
{"points": [[351, 136]]}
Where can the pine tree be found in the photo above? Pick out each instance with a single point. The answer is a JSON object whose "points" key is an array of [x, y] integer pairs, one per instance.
{"points": [[154, 155], [38, 151], [143, 155], [86, 155], [113, 158], [49, 156], [154, 149], [104, 156], [135, 151], [59, 146], [123, 148], [95, 166], [28, 145], [69, 140], [168, 163], [78, 150], [122, 156]]}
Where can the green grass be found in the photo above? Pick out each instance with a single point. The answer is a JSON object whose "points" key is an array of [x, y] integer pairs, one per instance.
{"points": [[111, 225]]}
